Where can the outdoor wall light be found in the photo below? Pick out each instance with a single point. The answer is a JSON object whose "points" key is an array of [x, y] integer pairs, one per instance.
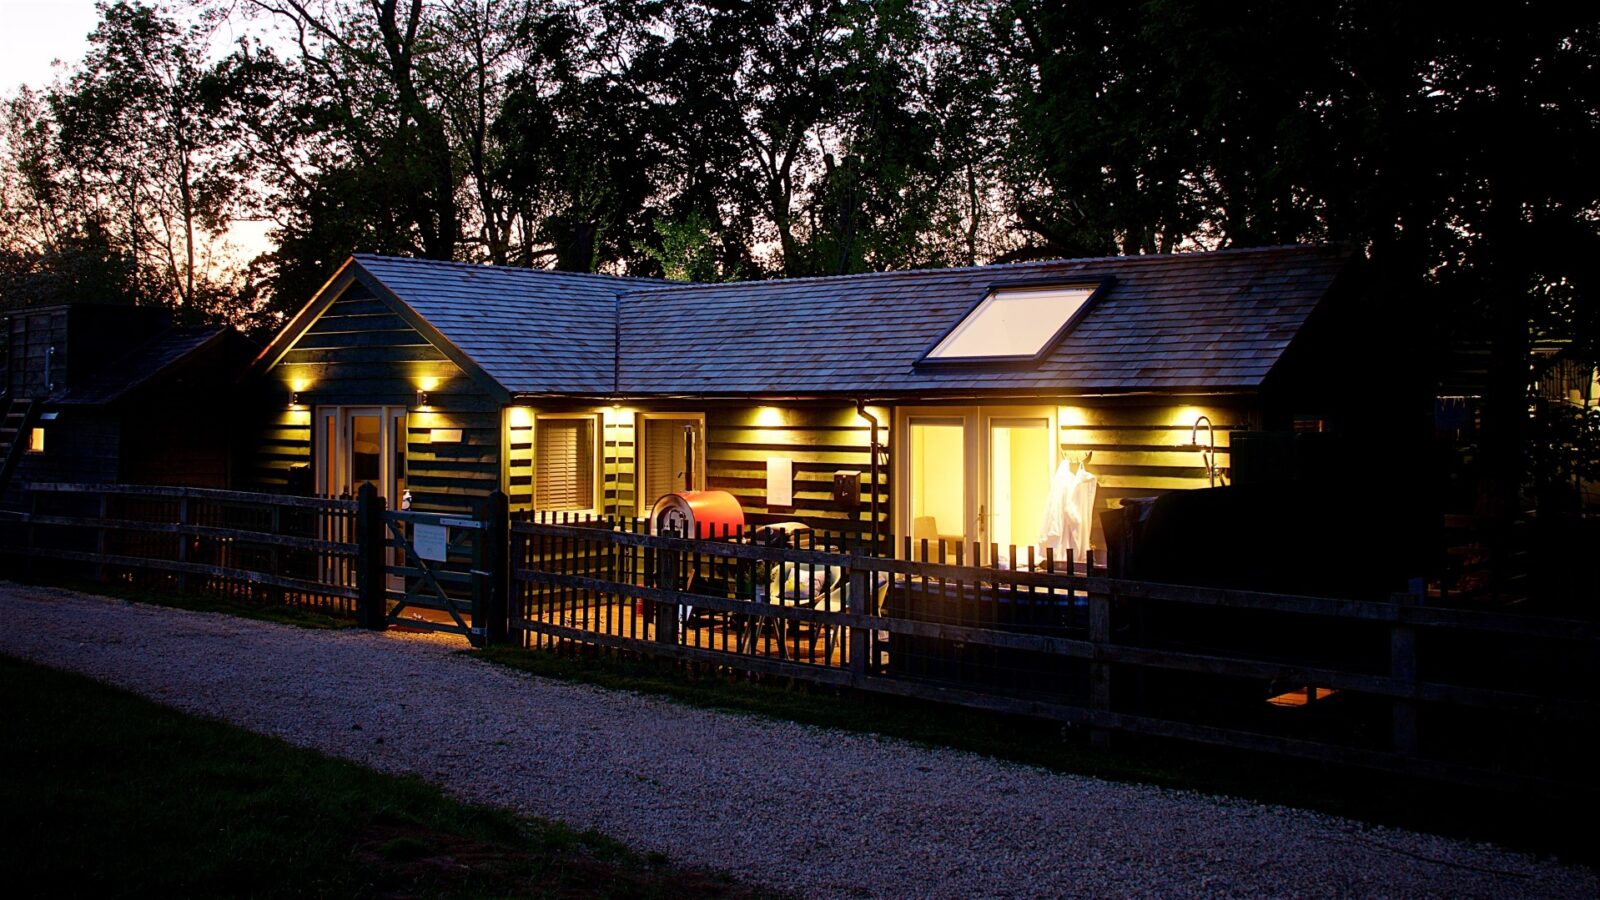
{"points": [[422, 398], [294, 398]]}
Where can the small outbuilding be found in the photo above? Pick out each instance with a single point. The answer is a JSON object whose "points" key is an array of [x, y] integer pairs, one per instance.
{"points": [[99, 393]]}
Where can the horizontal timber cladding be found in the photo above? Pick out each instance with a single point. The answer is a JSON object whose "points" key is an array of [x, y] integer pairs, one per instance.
{"points": [[818, 440], [614, 437], [1143, 448], [359, 352], [738, 442]]}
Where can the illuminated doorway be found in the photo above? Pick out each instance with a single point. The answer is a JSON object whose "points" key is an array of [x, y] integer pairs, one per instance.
{"points": [[360, 445], [970, 475]]}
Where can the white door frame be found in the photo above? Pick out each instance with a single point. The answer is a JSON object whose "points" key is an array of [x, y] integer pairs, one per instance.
{"points": [[645, 494], [393, 420], [977, 424]]}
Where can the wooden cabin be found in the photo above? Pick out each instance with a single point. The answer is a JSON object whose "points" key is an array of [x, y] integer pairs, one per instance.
{"points": [[597, 394], [102, 393]]}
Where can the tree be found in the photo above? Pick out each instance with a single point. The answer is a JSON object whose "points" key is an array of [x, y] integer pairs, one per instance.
{"points": [[137, 152], [356, 99]]}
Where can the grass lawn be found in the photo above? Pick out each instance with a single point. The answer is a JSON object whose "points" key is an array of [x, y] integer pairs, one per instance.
{"points": [[106, 794]]}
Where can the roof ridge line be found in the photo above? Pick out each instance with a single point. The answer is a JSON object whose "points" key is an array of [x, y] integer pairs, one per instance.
{"points": [[668, 286], [467, 264]]}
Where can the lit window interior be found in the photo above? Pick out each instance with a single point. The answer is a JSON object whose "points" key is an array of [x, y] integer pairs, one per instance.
{"points": [[1013, 323], [36, 441], [1019, 482], [938, 473]]}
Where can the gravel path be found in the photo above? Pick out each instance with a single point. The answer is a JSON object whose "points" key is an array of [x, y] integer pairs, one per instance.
{"points": [[818, 812]]}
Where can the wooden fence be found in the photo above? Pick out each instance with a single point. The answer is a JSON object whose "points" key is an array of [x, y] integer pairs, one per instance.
{"points": [[1462, 696], [252, 547], [1457, 695]]}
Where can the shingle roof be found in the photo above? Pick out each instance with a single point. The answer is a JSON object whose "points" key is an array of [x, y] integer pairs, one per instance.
{"points": [[146, 363], [532, 330], [1216, 320], [1207, 321]]}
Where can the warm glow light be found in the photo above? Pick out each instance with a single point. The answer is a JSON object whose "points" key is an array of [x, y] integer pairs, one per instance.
{"points": [[299, 385], [520, 417], [428, 384], [1185, 415], [1072, 416], [36, 441], [770, 417]]}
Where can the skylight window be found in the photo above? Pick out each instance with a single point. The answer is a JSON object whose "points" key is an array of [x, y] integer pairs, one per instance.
{"points": [[1014, 324]]}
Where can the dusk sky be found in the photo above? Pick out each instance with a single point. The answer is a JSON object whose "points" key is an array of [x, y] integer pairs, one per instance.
{"points": [[34, 33]]}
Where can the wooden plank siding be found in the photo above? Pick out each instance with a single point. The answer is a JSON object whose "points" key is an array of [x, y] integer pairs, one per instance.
{"points": [[31, 334], [615, 436], [359, 352], [819, 440], [620, 460], [1139, 446], [1140, 450]]}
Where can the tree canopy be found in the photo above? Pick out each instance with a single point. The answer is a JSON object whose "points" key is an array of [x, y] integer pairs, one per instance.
{"points": [[715, 139]]}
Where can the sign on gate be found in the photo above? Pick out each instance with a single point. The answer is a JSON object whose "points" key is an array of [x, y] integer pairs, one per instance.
{"points": [[430, 541]]}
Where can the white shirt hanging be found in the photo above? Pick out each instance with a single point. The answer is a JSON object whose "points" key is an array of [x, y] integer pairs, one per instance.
{"points": [[1081, 512], [1068, 519], [1054, 523]]}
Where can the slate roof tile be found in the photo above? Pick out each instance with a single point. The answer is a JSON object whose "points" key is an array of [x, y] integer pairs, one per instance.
{"points": [[147, 362], [1200, 320]]}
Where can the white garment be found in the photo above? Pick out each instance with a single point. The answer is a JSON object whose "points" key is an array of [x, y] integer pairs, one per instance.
{"points": [[1082, 509], [1068, 520]]}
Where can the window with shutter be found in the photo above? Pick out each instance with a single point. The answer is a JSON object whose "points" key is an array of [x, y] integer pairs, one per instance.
{"points": [[666, 457], [564, 468]]}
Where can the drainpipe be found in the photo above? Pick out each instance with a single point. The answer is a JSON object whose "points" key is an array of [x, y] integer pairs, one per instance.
{"points": [[689, 461], [861, 410]]}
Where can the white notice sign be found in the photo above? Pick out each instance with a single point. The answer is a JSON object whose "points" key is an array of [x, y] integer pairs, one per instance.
{"points": [[430, 541], [780, 481]]}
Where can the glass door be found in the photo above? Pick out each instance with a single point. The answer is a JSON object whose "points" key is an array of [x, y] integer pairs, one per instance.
{"points": [[974, 475], [936, 504], [362, 445], [1020, 458], [671, 456]]}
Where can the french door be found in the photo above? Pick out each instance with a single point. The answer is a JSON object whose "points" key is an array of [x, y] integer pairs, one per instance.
{"points": [[361, 445], [968, 475]]}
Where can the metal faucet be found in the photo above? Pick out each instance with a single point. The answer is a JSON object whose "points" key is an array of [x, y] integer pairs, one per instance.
{"points": [[1208, 453]]}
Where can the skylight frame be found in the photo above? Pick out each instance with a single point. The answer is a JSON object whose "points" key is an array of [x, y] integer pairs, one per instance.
{"points": [[1097, 287]]}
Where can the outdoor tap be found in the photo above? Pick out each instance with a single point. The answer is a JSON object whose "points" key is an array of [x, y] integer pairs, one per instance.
{"points": [[1208, 453]]}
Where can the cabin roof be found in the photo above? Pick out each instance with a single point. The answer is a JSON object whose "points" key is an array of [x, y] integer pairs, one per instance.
{"points": [[531, 330], [151, 361], [1204, 321]]}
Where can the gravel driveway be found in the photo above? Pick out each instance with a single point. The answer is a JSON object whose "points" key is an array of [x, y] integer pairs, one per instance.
{"points": [[818, 812]]}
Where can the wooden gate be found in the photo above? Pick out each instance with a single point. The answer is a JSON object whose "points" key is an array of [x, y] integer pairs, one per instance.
{"points": [[435, 573]]}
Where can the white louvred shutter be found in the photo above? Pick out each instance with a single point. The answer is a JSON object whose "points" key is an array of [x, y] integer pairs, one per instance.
{"points": [[564, 468]]}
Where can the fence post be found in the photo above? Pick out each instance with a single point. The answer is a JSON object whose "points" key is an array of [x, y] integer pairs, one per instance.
{"points": [[100, 538], [1099, 672], [371, 608], [667, 580], [32, 535], [1403, 667], [860, 604], [183, 543], [496, 539]]}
